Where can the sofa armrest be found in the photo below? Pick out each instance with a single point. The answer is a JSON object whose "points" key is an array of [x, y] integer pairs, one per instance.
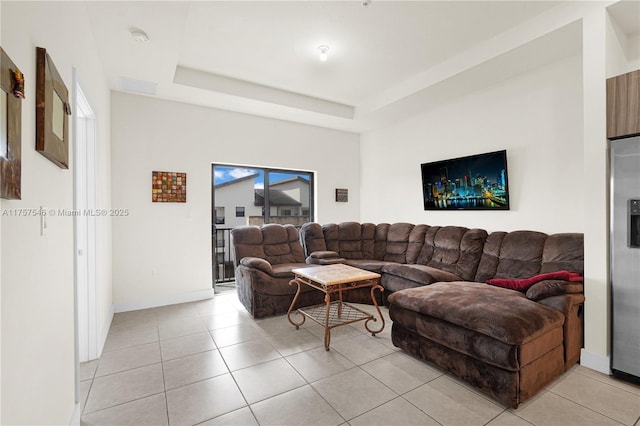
{"points": [[549, 288], [564, 303], [324, 254], [324, 257], [257, 263], [571, 306]]}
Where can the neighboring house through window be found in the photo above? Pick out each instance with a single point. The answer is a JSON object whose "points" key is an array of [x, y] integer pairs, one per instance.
{"points": [[219, 214], [258, 195]]}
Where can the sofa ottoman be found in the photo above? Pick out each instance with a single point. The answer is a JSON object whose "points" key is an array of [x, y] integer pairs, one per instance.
{"points": [[494, 338]]}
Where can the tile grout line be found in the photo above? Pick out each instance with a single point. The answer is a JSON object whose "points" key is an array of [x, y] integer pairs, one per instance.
{"points": [[498, 415], [608, 382], [124, 403], [376, 379], [84, 404], [398, 395], [310, 384], [418, 408], [585, 407], [323, 378], [341, 372], [128, 370], [239, 390], [164, 383]]}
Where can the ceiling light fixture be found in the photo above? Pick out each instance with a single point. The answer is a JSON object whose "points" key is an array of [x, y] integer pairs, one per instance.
{"points": [[139, 36], [324, 52]]}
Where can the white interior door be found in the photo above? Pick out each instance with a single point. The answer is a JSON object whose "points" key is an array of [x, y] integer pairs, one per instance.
{"points": [[85, 188]]}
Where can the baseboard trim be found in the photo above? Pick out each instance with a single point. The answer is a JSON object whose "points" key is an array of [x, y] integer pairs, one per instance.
{"points": [[172, 299], [105, 330], [597, 362], [75, 417]]}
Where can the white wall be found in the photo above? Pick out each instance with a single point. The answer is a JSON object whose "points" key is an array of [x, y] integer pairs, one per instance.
{"points": [[162, 252], [38, 356], [595, 178], [607, 52], [536, 117], [623, 50]]}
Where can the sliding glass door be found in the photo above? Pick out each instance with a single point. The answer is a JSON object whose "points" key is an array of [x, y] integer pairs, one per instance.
{"points": [[254, 196]]}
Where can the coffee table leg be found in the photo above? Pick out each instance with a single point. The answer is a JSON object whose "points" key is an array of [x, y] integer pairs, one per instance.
{"points": [[327, 330], [375, 303], [293, 304]]}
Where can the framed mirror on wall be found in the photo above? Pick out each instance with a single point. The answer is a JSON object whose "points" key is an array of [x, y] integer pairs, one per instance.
{"points": [[11, 95], [52, 111], [3, 124]]}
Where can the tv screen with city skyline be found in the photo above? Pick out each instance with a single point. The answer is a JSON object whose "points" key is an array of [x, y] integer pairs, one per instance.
{"points": [[476, 182]]}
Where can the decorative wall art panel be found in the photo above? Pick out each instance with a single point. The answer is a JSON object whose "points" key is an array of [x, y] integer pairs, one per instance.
{"points": [[52, 111], [169, 187], [11, 95]]}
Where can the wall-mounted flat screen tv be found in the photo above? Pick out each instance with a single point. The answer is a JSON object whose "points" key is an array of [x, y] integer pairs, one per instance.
{"points": [[476, 182]]}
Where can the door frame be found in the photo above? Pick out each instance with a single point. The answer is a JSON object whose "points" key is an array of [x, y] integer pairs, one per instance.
{"points": [[84, 227]]}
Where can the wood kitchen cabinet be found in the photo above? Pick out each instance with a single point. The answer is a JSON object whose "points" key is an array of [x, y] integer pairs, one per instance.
{"points": [[623, 105]]}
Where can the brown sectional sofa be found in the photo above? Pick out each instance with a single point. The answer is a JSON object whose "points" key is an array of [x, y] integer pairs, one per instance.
{"points": [[406, 255], [264, 258], [508, 343]]}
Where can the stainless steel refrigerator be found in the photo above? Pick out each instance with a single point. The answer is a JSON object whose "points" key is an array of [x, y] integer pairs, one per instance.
{"points": [[625, 258]]}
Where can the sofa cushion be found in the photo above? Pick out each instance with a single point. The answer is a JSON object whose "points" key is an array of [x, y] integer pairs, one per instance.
{"points": [[397, 242], [454, 249], [446, 247], [505, 315], [247, 242], [371, 265], [470, 253], [283, 270], [380, 240], [421, 274], [521, 254], [397, 277], [478, 346], [272, 242], [490, 257], [281, 244], [563, 252], [324, 258], [324, 255], [416, 241], [426, 253], [352, 240], [312, 238]]}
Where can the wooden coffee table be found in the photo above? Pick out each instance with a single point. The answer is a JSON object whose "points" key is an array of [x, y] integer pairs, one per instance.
{"points": [[335, 279]]}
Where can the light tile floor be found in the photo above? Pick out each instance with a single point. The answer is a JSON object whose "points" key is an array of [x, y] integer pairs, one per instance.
{"points": [[210, 363]]}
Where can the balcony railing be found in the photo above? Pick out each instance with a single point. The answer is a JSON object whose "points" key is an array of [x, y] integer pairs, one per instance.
{"points": [[223, 267]]}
